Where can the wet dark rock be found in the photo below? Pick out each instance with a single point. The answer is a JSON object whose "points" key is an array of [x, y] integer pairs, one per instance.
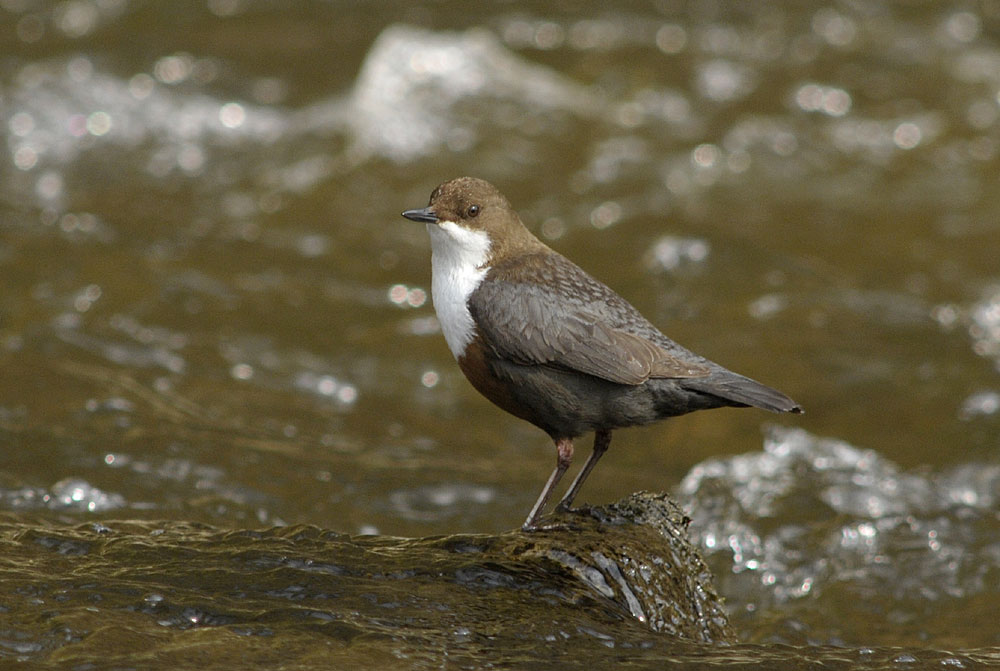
{"points": [[618, 586], [637, 554], [622, 576]]}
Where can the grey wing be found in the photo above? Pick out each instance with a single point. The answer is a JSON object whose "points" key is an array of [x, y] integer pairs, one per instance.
{"points": [[528, 324]]}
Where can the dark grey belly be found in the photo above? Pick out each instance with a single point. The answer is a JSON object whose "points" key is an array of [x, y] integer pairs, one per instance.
{"points": [[567, 404]]}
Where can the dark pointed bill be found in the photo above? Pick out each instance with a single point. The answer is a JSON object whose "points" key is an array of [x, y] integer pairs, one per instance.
{"points": [[424, 214]]}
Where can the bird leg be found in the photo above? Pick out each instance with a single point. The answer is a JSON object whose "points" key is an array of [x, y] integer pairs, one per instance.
{"points": [[564, 455], [602, 438]]}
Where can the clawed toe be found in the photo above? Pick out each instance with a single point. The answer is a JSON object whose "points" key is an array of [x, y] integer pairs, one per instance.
{"points": [[555, 526]]}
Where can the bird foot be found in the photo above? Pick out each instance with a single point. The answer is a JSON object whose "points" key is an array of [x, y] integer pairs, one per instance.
{"points": [[548, 527], [531, 527], [555, 526]]}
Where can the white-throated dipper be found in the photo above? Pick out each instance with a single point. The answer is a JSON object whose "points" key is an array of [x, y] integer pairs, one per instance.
{"points": [[548, 343]]}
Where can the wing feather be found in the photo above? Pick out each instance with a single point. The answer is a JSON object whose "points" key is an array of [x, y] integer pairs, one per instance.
{"points": [[529, 324]]}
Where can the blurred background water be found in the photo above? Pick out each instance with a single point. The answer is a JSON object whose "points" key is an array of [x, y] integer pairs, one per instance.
{"points": [[211, 310]]}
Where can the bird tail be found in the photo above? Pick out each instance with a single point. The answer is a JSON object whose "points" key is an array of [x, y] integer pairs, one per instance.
{"points": [[739, 390]]}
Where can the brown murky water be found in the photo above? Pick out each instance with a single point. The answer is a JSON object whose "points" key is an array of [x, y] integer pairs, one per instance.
{"points": [[211, 311]]}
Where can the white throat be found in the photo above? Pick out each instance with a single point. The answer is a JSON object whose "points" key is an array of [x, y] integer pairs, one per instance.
{"points": [[457, 259]]}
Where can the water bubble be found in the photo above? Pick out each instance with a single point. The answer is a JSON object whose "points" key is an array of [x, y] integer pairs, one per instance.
{"points": [[669, 252], [606, 214], [671, 38], [979, 404], [722, 80], [76, 18], [98, 123], [141, 85], [173, 69], [242, 371], [837, 29], [232, 115], [907, 135], [49, 185], [348, 394], [21, 124], [25, 158], [705, 155], [963, 26]]}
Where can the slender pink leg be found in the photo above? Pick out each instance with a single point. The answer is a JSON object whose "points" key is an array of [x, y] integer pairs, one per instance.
{"points": [[564, 456], [602, 439]]}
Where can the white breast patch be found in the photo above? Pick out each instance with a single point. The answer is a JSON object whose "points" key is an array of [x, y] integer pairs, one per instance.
{"points": [[457, 259]]}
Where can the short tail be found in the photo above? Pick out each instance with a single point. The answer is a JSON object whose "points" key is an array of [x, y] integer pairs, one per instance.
{"points": [[739, 390]]}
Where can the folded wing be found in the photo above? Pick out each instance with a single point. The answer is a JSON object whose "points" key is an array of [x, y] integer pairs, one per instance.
{"points": [[532, 325]]}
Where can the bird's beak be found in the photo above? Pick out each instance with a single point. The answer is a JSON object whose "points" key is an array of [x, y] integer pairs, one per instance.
{"points": [[425, 215]]}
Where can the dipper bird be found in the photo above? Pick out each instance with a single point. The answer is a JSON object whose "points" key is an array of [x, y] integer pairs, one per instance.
{"points": [[548, 343]]}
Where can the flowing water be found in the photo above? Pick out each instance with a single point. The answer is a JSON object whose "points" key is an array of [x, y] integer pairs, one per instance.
{"points": [[214, 320]]}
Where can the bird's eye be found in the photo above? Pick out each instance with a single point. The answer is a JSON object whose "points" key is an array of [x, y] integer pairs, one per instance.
{"points": [[473, 210]]}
